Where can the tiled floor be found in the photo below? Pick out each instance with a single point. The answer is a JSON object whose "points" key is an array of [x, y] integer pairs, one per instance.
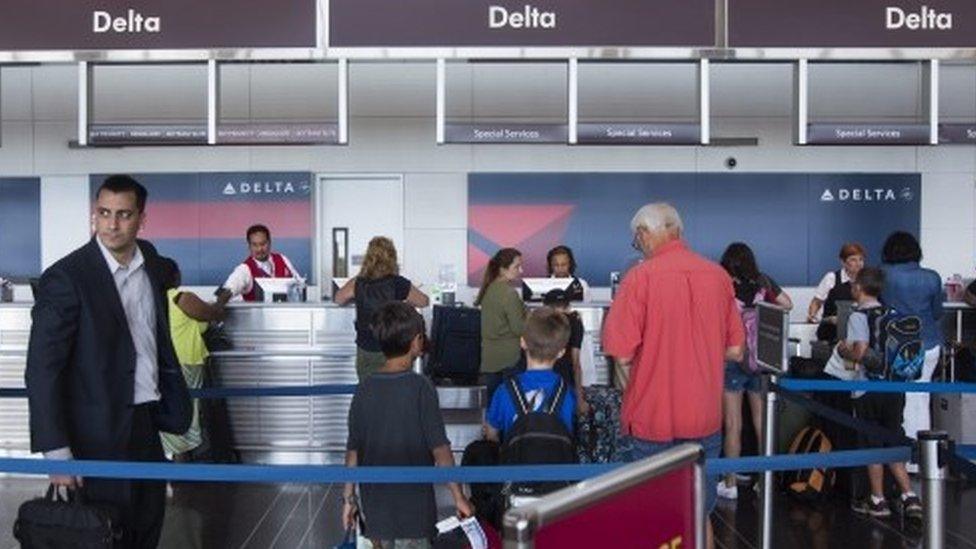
{"points": [[205, 515]]}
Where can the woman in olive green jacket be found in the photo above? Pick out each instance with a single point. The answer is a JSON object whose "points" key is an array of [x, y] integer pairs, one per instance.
{"points": [[502, 314]]}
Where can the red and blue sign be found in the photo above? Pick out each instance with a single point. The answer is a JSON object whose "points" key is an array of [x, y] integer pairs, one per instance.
{"points": [[20, 227], [200, 219], [794, 222]]}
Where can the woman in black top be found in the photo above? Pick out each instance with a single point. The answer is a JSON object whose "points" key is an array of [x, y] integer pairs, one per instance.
{"points": [[561, 263], [835, 286], [378, 283]]}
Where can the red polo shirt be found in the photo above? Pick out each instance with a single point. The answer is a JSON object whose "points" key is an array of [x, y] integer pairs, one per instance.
{"points": [[674, 315]]}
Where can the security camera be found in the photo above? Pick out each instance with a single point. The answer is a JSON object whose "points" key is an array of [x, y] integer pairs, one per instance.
{"points": [[731, 162]]}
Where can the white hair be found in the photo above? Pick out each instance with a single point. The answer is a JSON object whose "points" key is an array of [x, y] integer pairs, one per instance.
{"points": [[657, 216]]}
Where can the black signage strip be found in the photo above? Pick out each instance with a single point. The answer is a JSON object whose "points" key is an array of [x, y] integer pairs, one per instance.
{"points": [[77, 25], [957, 133], [520, 23], [238, 133], [611, 133], [500, 133], [867, 134], [852, 24]]}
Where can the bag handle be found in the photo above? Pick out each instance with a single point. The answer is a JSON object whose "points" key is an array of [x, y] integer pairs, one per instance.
{"points": [[518, 398]]}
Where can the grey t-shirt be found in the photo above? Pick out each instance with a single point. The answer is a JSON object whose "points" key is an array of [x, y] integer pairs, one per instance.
{"points": [[395, 419]]}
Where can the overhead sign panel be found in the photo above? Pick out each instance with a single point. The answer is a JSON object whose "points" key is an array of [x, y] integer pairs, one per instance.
{"points": [[556, 23], [852, 24], [38, 25]]}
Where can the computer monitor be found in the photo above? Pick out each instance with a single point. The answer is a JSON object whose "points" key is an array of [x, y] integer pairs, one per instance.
{"points": [[844, 309], [275, 290], [534, 289]]}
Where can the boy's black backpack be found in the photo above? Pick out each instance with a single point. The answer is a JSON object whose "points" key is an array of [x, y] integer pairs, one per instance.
{"points": [[897, 350], [537, 437], [809, 484]]}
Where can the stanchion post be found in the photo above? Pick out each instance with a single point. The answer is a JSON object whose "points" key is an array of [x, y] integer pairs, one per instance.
{"points": [[768, 449], [934, 448]]}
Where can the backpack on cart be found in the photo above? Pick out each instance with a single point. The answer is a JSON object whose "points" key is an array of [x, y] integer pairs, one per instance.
{"points": [[537, 437]]}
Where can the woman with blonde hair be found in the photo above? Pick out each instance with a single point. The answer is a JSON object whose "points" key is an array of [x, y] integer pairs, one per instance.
{"points": [[378, 283]]}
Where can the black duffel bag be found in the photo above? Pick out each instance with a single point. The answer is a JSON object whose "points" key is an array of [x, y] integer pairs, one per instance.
{"points": [[58, 521]]}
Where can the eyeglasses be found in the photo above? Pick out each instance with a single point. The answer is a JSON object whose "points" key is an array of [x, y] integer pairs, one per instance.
{"points": [[636, 243]]}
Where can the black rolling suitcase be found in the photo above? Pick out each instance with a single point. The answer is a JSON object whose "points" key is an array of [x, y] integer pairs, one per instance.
{"points": [[455, 345]]}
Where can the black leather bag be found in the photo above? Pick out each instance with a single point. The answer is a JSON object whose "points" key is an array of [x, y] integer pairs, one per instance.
{"points": [[57, 521]]}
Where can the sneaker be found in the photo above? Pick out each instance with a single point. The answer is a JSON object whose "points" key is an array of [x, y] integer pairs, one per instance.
{"points": [[727, 492], [912, 506], [867, 506]]}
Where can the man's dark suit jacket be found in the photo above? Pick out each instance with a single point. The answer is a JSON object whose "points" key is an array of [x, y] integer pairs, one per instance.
{"points": [[81, 361]]}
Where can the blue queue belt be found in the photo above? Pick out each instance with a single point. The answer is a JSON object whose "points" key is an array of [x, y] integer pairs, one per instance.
{"points": [[959, 460], [324, 474], [817, 385], [234, 392]]}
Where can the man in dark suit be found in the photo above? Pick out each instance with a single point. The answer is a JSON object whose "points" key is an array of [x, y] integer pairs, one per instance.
{"points": [[102, 376]]}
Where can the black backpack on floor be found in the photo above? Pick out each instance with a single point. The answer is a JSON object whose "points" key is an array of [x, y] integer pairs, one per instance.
{"points": [[537, 437], [809, 484]]}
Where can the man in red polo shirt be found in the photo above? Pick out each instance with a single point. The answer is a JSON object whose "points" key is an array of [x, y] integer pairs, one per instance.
{"points": [[673, 324]]}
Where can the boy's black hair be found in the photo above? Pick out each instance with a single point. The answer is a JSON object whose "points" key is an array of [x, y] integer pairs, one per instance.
{"points": [[394, 326], [871, 280], [125, 184], [556, 298], [901, 247]]}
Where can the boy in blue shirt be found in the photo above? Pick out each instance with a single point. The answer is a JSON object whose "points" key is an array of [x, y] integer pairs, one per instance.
{"points": [[544, 341]]}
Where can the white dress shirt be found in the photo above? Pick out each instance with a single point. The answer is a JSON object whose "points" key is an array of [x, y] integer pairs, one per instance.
{"points": [[136, 294], [240, 281]]}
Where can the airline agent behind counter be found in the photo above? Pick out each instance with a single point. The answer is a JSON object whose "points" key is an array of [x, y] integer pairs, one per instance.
{"points": [[562, 264], [261, 263]]}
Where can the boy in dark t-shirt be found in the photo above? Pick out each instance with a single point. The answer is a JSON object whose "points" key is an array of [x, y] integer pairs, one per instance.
{"points": [[395, 419], [568, 366]]}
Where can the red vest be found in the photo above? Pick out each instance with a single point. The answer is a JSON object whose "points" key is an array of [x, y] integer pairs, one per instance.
{"points": [[281, 270]]}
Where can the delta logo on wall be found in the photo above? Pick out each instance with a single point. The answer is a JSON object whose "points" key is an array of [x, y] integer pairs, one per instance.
{"points": [[905, 194], [200, 219]]}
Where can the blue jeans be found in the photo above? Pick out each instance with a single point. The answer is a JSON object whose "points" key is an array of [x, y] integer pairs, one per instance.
{"points": [[738, 380], [637, 448]]}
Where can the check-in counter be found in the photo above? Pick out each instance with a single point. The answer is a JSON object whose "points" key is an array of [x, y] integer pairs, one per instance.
{"points": [[307, 344], [15, 325]]}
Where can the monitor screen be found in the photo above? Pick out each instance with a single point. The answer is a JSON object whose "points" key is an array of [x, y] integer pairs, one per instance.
{"points": [[534, 289]]}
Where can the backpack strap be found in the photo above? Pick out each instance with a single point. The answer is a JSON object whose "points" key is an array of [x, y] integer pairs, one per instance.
{"points": [[555, 400], [518, 397]]}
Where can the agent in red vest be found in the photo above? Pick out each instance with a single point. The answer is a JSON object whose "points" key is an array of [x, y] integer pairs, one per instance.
{"points": [[261, 263]]}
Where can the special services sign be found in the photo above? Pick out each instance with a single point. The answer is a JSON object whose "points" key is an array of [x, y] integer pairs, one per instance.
{"points": [[38, 25]]}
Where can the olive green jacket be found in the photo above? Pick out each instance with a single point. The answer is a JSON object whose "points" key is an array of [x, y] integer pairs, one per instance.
{"points": [[502, 321]]}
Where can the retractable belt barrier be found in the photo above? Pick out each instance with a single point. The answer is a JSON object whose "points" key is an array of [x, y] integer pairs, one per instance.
{"points": [[236, 392], [787, 389], [321, 474]]}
